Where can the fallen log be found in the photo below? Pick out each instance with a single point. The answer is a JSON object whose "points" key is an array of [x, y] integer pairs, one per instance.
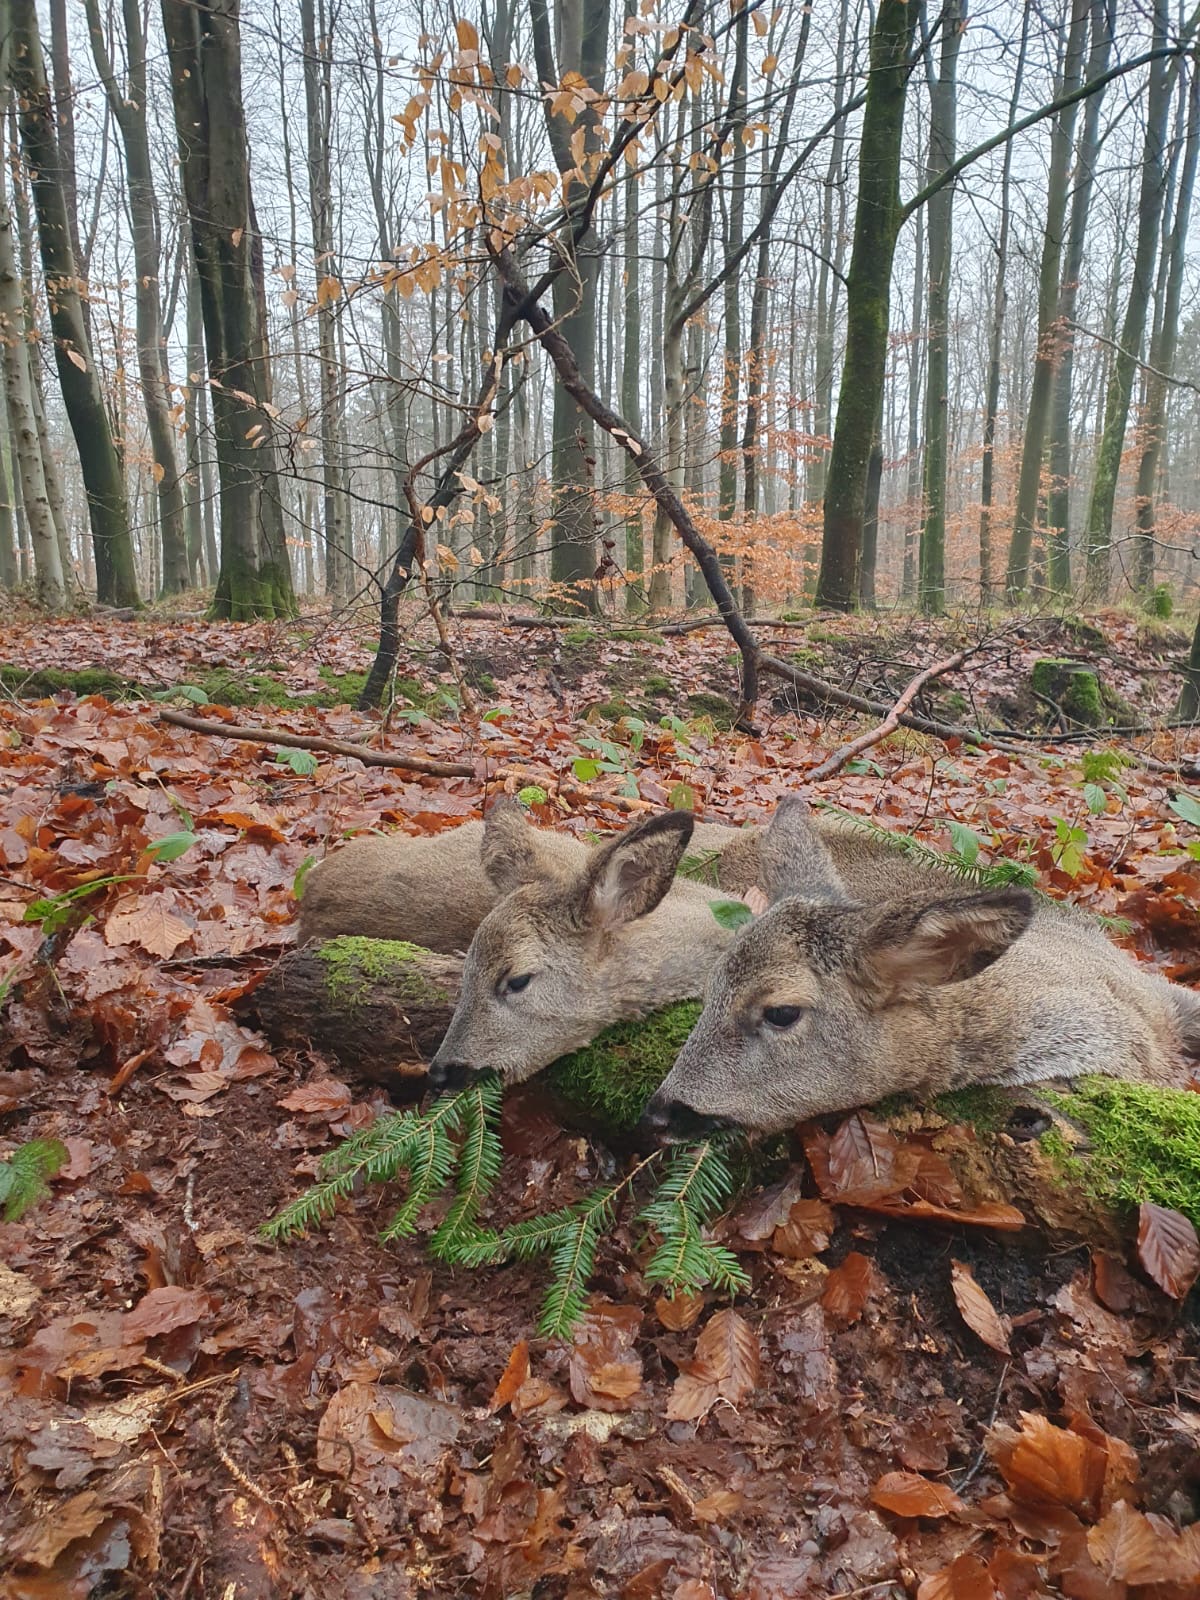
{"points": [[1077, 1160]]}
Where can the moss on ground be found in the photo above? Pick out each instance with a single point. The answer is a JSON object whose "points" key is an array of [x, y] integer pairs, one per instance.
{"points": [[715, 706], [1143, 1144], [352, 965], [610, 1080], [43, 683]]}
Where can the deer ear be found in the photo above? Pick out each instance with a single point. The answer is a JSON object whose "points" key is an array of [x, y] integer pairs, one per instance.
{"points": [[628, 877], [509, 851], [908, 948], [793, 859]]}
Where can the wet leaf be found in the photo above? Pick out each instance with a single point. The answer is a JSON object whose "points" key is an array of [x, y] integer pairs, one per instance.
{"points": [[1168, 1249], [908, 1494], [847, 1288], [978, 1312]]}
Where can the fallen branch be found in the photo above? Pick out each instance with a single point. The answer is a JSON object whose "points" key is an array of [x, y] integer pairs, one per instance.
{"points": [[857, 702], [836, 761], [405, 763]]}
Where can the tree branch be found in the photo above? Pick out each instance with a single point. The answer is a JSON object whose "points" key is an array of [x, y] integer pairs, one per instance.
{"points": [[854, 747]]}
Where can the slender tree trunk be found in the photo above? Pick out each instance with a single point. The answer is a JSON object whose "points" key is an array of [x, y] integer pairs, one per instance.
{"points": [[78, 376], [64, 119], [631, 401], [1163, 347], [735, 226], [128, 103], [867, 304], [582, 48], [204, 49], [942, 147], [51, 584], [9, 571], [1058, 498], [914, 515], [318, 95], [1029, 485], [194, 505], [1129, 344], [991, 404]]}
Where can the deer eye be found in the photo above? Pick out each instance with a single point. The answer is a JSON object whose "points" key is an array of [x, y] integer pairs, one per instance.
{"points": [[782, 1016], [514, 985]]}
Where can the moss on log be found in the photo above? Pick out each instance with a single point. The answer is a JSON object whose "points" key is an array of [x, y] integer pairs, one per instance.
{"points": [[1076, 1158]]}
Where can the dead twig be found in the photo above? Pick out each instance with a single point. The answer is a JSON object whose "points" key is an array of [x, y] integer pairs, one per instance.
{"points": [[864, 741], [857, 702], [379, 758]]}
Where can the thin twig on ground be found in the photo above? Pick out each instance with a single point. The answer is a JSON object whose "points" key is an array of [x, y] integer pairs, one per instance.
{"points": [[864, 741]]}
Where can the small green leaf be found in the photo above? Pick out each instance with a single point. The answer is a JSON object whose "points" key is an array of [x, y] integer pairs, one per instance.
{"points": [[682, 797], [731, 914], [1187, 807], [860, 766], [966, 843], [497, 712], [302, 872], [585, 769], [532, 795], [302, 762], [189, 691], [171, 846], [1097, 800]]}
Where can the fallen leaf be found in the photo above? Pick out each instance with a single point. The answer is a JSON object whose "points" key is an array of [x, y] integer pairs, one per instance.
{"points": [[966, 1578], [514, 1375], [1168, 1249], [806, 1231], [978, 1312], [1128, 1548], [847, 1288], [147, 923], [908, 1494], [679, 1311], [1048, 1466], [323, 1097], [163, 1310], [727, 1366]]}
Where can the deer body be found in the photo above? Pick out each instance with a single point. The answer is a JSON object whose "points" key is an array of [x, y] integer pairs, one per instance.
{"points": [[824, 1003], [433, 890]]}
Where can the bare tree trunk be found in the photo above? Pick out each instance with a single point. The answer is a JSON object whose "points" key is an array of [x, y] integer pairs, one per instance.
{"points": [[1129, 344], [942, 146], [204, 47], [991, 405], [9, 573], [51, 585], [1033, 451], [631, 402], [64, 119], [735, 227], [1163, 347], [583, 48], [867, 304], [318, 96], [916, 353], [78, 377], [128, 105]]}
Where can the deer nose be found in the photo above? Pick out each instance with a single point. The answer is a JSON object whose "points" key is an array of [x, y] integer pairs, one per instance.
{"points": [[450, 1075], [671, 1121]]}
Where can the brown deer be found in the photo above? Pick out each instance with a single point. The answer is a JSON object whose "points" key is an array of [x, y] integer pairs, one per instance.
{"points": [[824, 1003], [571, 949]]}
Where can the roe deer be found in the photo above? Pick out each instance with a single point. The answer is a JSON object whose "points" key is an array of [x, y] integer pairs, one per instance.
{"points": [[434, 892], [567, 953], [823, 1004]]}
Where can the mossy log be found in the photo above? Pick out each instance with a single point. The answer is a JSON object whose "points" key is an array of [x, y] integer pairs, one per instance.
{"points": [[1076, 1159], [378, 1010]]}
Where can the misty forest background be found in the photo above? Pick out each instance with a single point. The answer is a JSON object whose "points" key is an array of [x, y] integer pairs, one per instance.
{"points": [[880, 304]]}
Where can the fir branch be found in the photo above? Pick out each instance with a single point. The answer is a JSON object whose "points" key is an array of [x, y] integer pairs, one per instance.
{"points": [[994, 875], [23, 1177], [479, 1160], [697, 1184]]}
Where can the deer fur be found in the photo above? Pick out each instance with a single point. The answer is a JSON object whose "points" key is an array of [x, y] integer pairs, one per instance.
{"points": [[613, 936], [825, 1003], [433, 890]]}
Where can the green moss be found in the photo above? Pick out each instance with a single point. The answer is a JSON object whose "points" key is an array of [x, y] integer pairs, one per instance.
{"points": [[1073, 687], [715, 706], [637, 636], [657, 684], [981, 1106], [352, 965], [610, 1080], [46, 682], [579, 638], [1161, 602], [1144, 1143], [612, 710]]}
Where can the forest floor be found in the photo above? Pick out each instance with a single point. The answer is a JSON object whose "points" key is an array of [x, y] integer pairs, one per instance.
{"points": [[186, 1410]]}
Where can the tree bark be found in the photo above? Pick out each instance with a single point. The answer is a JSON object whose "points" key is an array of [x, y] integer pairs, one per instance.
{"points": [[83, 397], [204, 49], [1029, 486], [50, 580], [128, 103], [1163, 348], [876, 222], [1129, 348], [318, 97]]}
